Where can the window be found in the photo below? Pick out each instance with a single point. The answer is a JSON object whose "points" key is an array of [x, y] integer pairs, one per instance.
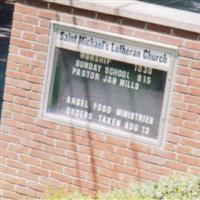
{"points": [[108, 83]]}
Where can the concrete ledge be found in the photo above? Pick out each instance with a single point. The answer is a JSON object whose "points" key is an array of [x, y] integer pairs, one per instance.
{"points": [[139, 11]]}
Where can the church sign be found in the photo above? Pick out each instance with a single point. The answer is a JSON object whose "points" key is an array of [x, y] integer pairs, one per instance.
{"points": [[108, 83]]}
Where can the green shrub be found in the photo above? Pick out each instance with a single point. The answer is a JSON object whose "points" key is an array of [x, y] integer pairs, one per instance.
{"points": [[173, 188]]}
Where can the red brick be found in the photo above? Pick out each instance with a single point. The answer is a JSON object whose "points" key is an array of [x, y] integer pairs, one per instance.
{"points": [[23, 118], [192, 99], [173, 138], [176, 165], [195, 91], [16, 33], [51, 182], [10, 139], [21, 101], [176, 121], [44, 140], [26, 191], [41, 56], [139, 147], [39, 71], [9, 170], [190, 142], [26, 69], [125, 152], [48, 14], [39, 47], [185, 34], [41, 30], [171, 40], [23, 9], [78, 156], [121, 30], [30, 20], [61, 177], [161, 170], [19, 149], [158, 28], [184, 61], [61, 8], [43, 39], [28, 176], [54, 134], [151, 158], [195, 170], [187, 53], [36, 88], [176, 113], [36, 63], [9, 154], [16, 164], [196, 73], [148, 175], [98, 25], [17, 16], [196, 152], [181, 88], [193, 82], [65, 162], [184, 150], [22, 26], [197, 56], [196, 64], [29, 160], [181, 78], [30, 36], [192, 45], [44, 22], [31, 144], [102, 163], [40, 154], [169, 146], [52, 166], [146, 35], [54, 150], [103, 146], [194, 109], [85, 184], [184, 70], [110, 157], [189, 160], [34, 79], [36, 186], [173, 129], [192, 125], [133, 23], [91, 14], [13, 49], [186, 132], [15, 180], [6, 186], [164, 154], [38, 171], [190, 115], [11, 195], [124, 169], [20, 43]]}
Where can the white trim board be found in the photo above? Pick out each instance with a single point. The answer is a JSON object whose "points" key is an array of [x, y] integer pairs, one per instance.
{"points": [[141, 11]]}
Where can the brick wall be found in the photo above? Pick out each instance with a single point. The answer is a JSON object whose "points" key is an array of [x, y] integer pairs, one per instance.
{"points": [[37, 152]]}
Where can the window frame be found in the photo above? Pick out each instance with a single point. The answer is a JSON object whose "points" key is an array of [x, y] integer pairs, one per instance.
{"points": [[172, 50]]}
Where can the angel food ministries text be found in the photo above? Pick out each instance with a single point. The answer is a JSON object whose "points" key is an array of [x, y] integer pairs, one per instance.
{"points": [[111, 46]]}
